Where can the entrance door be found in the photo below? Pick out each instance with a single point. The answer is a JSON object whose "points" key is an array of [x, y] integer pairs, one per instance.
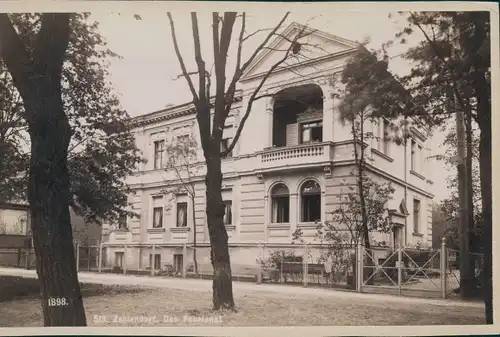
{"points": [[178, 262]]}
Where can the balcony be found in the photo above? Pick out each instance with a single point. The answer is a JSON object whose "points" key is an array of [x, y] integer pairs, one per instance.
{"points": [[304, 155]]}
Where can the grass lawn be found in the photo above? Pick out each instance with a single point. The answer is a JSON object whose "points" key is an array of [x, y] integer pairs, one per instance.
{"points": [[262, 309], [15, 288]]}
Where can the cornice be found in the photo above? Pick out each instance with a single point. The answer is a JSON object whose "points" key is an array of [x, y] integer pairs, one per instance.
{"points": [[169, 113]]}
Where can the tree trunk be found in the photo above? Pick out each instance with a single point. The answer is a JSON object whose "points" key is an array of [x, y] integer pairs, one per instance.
{"points": [[470, 201], [195, 261], [222, 281], [486, 195], [48, 193]]}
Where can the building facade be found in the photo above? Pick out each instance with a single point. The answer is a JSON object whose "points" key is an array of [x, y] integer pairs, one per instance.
{"points": [[292, 162]]}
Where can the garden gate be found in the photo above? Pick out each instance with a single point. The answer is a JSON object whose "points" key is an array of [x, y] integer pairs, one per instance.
{"points": [[403, 271]]}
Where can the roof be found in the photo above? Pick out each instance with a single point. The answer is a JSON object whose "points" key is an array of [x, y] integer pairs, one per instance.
{"points": [[288, 34]]}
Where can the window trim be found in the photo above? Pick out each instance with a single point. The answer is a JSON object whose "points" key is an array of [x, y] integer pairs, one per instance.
{"points": [[230, 218], [301, 201], [160, 208], [156, 151], [302, 129], [274, 206], [184, 204], [416, 224], [224, 145], [385, 137]]}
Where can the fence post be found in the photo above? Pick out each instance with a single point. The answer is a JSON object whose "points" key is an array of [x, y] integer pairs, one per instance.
{"points": [[152, 263], [89, 255], [97, 253], [77, 256], [259, 271], [400, 274], [124, 262], [99, 267], [27, 262], [305, 273], [360, 275], [184, 260], [444, 267], [18, 257]]}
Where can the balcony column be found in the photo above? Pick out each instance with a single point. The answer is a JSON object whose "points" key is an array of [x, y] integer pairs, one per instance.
{"points": [[266, 217], [332, 126], [294, 212], [328, 113], [269, 120]]}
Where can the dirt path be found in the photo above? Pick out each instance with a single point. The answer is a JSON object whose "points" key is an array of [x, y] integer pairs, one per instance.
{"points": [[248, 288]]}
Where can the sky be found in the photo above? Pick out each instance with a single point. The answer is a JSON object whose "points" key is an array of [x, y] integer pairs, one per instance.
{"points": [[145, 76]]}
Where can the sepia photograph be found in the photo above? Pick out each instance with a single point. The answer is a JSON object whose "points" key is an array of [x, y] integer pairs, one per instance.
{"points": [[169, 165]]}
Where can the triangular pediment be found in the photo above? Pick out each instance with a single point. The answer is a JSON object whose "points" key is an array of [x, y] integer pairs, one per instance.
{"points": [[316, 45]]}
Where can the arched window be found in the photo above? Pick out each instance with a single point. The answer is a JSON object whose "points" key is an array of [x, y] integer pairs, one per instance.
{"points": [[280, 200], [310, 196]]}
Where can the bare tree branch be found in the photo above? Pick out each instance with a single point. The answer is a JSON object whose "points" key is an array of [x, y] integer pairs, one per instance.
{"points": [[220, 75], [237, 75], [14, 53], [256, 91], [181, 60], [198, 58]]}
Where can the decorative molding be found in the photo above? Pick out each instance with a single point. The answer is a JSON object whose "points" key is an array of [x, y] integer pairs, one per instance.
{"points": [[310, 114], [418, 133], [420, 235], [184, 229], [170, 113], [328, 171], [156, 230], [278, 226], [418, 175], [260, 176], [308, 225], [383, 155]]}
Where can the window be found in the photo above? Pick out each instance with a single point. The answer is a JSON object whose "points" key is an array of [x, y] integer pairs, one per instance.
{"points": [[178, 262], [396, 237], [311, 132], [310, 201], [224, 145], [280, 204], [183, 139], [413, 161], [122, 221], [419, 158], [181, 214], [228, 215], [385, 137], [158, 217], [157, 261], [157, 212], [416, 215], [159, 149], [119, 259]]}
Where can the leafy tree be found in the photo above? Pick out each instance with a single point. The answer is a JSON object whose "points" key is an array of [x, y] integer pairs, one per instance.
{"points": [[211, 125], [182, 159], [370, 94], [36, 70], [80, 145], [453, 61], [102, 150], [13, 161]]}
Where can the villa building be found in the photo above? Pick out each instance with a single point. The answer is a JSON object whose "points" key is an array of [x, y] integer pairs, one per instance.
{"points": [[291, 163]]}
